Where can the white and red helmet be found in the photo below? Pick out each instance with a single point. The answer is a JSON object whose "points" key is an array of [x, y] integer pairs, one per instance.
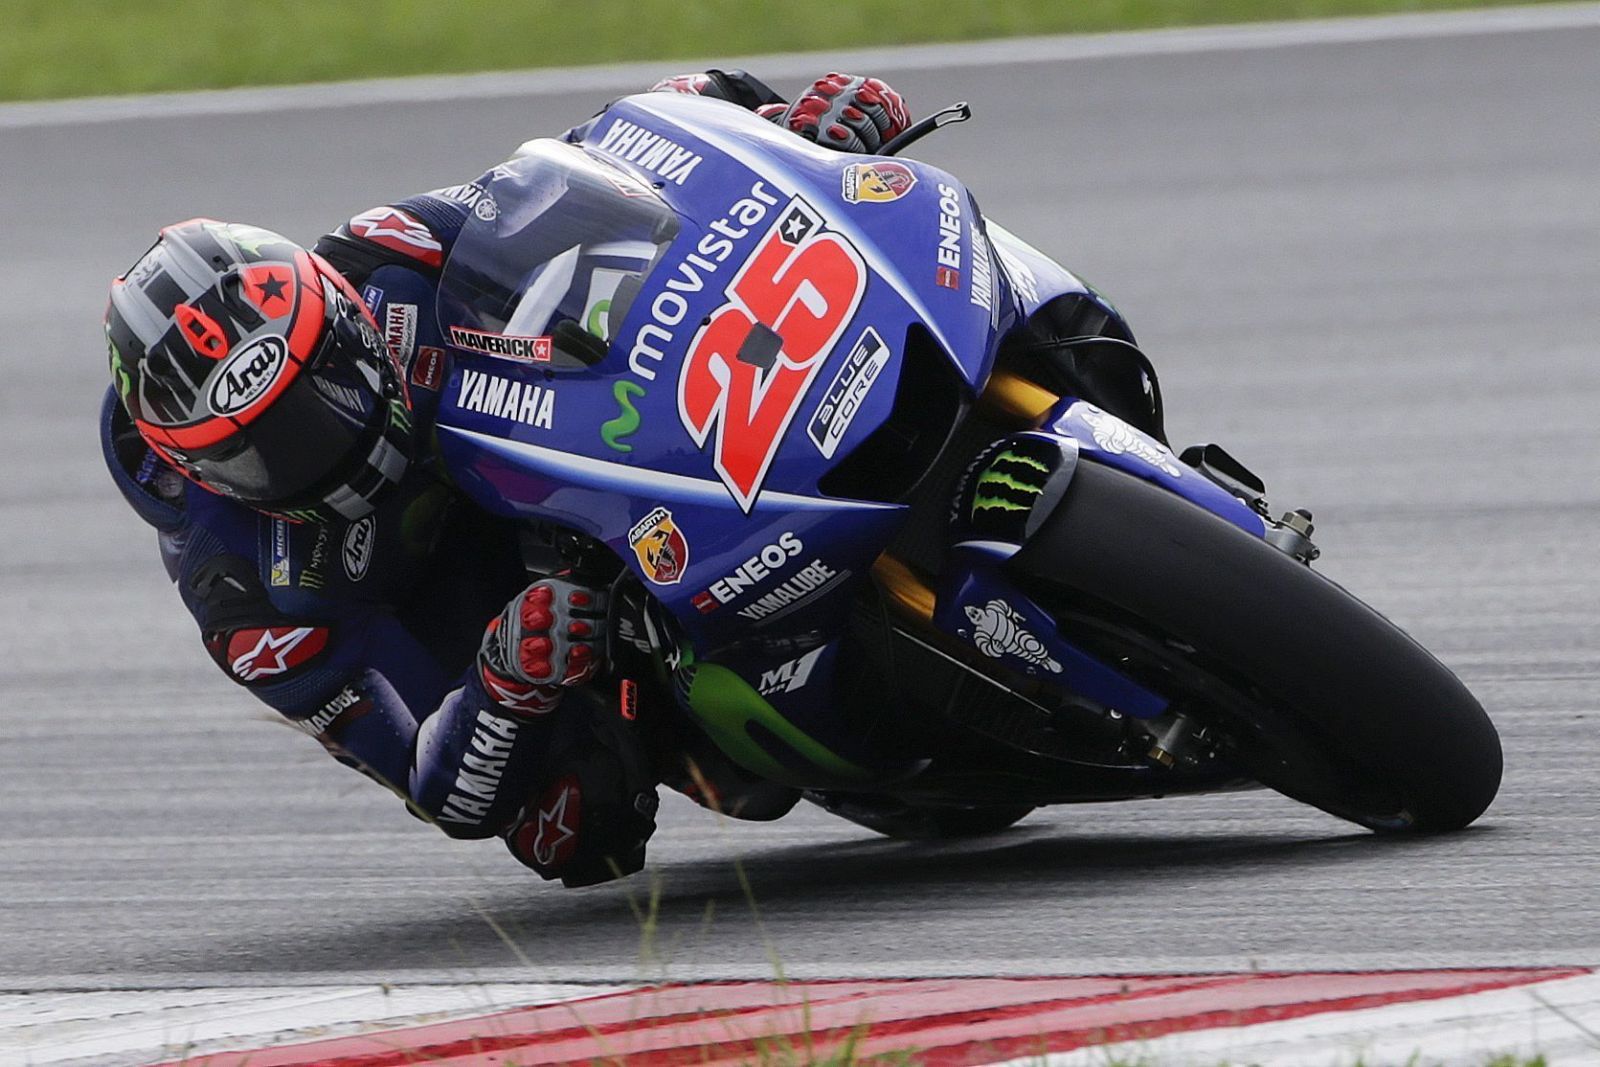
{"points": [[253, 367]]}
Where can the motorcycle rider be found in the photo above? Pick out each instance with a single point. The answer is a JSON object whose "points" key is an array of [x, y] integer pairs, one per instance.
{"points": [[271, 417]]}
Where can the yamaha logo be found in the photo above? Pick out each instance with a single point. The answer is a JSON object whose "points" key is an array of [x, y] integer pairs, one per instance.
{"points": [[357, 554], [245, 376]]}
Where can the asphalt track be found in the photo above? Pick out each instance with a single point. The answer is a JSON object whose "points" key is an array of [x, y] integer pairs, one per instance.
{"points": [[1371, 269]]}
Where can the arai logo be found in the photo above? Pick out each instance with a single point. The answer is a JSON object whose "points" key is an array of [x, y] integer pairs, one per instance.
{"points": [[245, 376], [357, 553]]}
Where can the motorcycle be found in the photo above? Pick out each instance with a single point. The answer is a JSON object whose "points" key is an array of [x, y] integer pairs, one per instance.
{"points": [[870, 540]]}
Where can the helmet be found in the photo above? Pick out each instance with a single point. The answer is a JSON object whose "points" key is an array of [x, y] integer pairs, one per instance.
{"points": [[253, 367]]}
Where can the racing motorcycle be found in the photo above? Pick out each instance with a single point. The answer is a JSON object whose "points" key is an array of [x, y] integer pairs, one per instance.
{"points": [[875, 543]]}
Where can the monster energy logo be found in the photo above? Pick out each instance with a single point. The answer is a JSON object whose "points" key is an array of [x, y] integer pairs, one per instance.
{"points": [[1011, 482], [402, 416], [119, 371]]}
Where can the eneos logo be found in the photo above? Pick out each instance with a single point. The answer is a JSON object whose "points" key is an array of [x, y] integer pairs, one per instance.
{"points": [[244, 377], [750, 365]]}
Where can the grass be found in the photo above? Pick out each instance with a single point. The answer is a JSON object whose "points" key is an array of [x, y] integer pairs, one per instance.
{"points": [[61, 48]]}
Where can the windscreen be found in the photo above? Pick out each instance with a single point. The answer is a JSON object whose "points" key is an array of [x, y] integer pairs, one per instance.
{"points": [[551, 257]]}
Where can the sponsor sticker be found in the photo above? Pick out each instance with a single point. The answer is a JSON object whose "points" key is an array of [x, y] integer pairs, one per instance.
{"points": [[1118, 438], [279, 572], [877, 183], [752, 362], [256, 653], [691, 276], [311, 577], [400, 331], [356, 552], [626, 423], [809, 582], [661, 156], [507, 398], [750, 574], [999, 631], [556, 835], [947, 272], [247, 375], [397, 230], [372, 296], [341, 709], [428, 370], [473, 197], [849, 388], [1022, 277], [788, 677], [502, 345], [661, 548], [982, 272], [477, 783]]}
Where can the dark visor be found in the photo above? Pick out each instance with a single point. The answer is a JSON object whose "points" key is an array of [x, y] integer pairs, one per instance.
{"points": [[328, 418]]}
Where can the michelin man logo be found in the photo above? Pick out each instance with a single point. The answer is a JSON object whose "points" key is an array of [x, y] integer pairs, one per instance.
{"points": [[1117, 437], [997, 631]]}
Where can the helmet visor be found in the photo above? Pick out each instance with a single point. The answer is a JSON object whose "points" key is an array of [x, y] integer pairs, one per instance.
{"points": [[327, 420]]}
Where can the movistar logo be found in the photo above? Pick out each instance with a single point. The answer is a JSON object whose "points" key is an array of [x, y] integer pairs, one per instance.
{"points": [[1010, 482], [612, 431]]}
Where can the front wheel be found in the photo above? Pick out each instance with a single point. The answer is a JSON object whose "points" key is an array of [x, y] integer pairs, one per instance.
{"points": [[1313, 692]]}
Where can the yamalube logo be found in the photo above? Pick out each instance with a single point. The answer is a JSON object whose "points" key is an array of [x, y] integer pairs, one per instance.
{"points": [[245, 376], [357, 554]]}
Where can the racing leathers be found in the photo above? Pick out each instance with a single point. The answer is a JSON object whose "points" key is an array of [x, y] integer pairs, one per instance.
{"points": [[370, 634]]}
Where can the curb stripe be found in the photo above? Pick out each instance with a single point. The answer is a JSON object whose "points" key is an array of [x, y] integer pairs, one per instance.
{"points": [[949, 1022]]}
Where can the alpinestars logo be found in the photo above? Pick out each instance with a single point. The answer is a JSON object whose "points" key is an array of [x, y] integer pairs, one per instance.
{"points": [[256, 654], [749, 367], [558, 824], [1011, 482]]}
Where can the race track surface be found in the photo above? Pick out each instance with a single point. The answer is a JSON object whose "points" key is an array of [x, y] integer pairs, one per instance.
{"points": [[1371, 270]]}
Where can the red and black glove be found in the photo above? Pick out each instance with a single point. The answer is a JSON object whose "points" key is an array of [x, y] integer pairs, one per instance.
{"points": [[550, 637], [848, 113]]}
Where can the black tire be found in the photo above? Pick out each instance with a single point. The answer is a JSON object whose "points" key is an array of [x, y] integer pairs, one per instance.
{"points": [[1401, 743], [918, 822]]}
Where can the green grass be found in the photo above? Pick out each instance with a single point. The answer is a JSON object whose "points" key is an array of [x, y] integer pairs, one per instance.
{"points": [[58, 48]]}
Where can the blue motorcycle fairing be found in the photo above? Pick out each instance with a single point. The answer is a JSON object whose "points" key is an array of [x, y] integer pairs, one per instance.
{"points": [[541, 441], [649, 448], [1036, 279], [981, 606], [1104, 438]]}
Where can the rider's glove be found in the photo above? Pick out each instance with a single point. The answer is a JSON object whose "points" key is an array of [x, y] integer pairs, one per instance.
{"points": [[590, 822], [550, 637], [848, 113], [691, 84]]}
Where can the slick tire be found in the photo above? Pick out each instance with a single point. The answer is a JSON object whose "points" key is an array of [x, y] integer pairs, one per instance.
{"points": [[1366, 723]]}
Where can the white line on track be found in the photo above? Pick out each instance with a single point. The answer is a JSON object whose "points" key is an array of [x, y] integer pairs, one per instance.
{"points": [[1557, 1020], [626, 76], [181, 1024]]}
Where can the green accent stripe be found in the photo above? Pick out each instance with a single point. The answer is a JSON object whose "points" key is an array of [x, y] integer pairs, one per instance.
{"points": [[725, 704]]}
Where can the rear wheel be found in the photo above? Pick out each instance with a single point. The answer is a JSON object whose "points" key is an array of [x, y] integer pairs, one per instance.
{"points": [[1309, 690]]}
